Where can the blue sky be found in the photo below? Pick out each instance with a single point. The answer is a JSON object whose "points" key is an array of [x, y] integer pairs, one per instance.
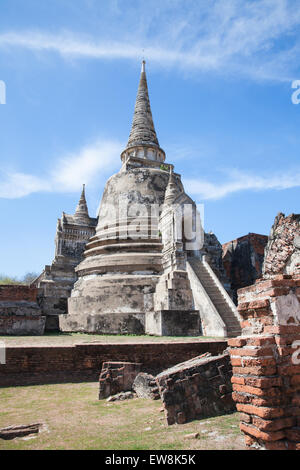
{"points": [[220, 76]]}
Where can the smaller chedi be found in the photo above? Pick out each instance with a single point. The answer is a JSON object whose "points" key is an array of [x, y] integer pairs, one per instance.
{"points": [[56, 281]]}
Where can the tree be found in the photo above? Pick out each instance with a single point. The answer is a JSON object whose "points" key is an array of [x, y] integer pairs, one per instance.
{"points": [[4, 280], [26, 279], [29, 277]]}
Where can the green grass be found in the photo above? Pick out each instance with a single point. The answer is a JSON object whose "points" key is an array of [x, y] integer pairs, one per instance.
{"points": [[58, 338], [76, 419]]}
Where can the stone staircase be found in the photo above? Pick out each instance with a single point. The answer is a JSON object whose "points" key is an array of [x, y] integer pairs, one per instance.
{"points": [[218, 296]]}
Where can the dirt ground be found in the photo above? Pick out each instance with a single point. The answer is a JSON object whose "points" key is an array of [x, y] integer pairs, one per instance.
{"points": [[74, 418]]}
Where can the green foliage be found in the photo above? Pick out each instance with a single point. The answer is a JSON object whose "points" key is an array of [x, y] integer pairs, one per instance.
{"points": [[26, 280], [5, 280], [164, 167]]}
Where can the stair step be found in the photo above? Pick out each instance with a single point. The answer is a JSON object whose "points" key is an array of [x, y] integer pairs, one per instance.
{"points": [[217, 297]]}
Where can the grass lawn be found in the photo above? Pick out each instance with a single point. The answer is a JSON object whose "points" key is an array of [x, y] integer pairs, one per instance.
{"points": [[76, 419], [64, 339]]}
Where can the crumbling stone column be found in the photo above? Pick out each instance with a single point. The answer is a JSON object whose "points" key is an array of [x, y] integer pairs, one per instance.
{"points": [[266, 363]]}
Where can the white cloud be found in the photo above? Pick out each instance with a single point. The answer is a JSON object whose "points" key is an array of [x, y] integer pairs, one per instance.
{"points": [[258, 39], [94, 163], [241, 181], [15, 185], [86, 165], [90, 165]]}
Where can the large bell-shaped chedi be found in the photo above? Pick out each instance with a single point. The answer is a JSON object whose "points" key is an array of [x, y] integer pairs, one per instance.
{"points": [[125, 260]]}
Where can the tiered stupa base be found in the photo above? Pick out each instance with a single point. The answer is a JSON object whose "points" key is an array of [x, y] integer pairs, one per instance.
{"points": [[110, 304]]}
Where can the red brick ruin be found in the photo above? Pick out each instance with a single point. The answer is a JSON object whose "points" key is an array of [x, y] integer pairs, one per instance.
{"points": [[266, 358], [20, 313]]}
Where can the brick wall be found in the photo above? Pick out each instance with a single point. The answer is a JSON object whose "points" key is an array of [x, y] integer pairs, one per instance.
{"points": [[197, 388], [17, 293], [20, 313], [83, 362], [266, 363], [243, 259]]}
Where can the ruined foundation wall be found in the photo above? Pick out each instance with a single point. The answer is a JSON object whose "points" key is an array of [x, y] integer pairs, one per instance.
{"points": [[83, 362], [196, 389], [266, 363], [20, 313], [16, 293]]}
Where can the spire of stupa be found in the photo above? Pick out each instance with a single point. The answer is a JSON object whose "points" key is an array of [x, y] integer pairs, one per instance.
{"points": [[142, 129], [82, 213]]}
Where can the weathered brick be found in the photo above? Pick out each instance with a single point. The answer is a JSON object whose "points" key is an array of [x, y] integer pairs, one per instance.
{"points": [[258, 304], [295, 380], [236, 342], [263, 382], [276, 445], [237, 380], [267, 402], [273, 425], [265, 436], [293, 434], [245, 418], [261, 340], [263, 412], [256, 371], [252, 352], [270, 392], [259, 362]]}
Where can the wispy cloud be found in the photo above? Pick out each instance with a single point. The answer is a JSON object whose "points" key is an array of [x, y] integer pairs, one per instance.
{"points": [[90, 165], [87, 165], [94, 163], [259, 39], [16, 184], [241, 181]]}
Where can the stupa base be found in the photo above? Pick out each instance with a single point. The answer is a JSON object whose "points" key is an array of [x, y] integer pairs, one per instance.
{"points": [[173, 323], [106, 323]]}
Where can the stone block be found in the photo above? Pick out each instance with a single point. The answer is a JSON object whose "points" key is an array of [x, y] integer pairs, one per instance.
{"points": [[173, 323]]}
